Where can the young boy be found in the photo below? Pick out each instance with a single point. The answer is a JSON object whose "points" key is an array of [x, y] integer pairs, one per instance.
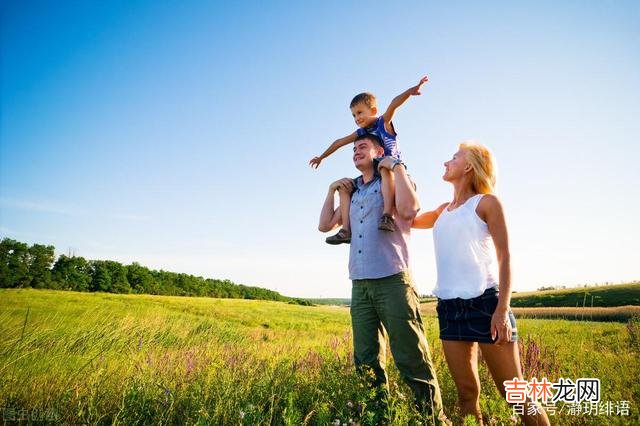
{"points": [[365, 113]]}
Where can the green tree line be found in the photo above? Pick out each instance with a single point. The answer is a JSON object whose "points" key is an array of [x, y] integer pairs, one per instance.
{"points": [[35, 266]]}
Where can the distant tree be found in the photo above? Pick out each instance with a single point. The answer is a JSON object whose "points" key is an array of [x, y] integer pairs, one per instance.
{"points": [[40, 260], [72, 273], [165, 282], [23, 266], [140, 279], [6, 245], [100, 276], [191, 285], [180, 284], [14, 264], [118, 272], [544, 288]]}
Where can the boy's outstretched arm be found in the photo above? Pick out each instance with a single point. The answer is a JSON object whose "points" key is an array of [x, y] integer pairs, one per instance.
{"points": [[338, 143], [400, 99]]}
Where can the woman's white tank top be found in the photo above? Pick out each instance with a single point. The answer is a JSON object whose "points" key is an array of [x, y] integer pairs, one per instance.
{"points": [[465, 254]]}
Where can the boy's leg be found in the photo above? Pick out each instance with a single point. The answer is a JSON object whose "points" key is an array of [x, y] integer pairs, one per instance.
{"points": [[399, 310], [345, 207], [344, 234], [388, 191], [388, 196]]}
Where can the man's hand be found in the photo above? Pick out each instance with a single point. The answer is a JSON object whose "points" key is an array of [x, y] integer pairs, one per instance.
{"points": [[315, 162], [344, 184], [387, 163], [415, 90]]}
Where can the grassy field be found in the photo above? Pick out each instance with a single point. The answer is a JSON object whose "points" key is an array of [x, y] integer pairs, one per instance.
{"points": [[597, 296], [615, 313], [133, 359], [627, 294]]}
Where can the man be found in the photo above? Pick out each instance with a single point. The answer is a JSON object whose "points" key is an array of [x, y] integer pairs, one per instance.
{"points": [[383, 297]]}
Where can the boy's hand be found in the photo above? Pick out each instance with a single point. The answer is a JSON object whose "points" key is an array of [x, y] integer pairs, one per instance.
{"points": [[345, 184], [315, 162], [399, 100], [415, 90]]}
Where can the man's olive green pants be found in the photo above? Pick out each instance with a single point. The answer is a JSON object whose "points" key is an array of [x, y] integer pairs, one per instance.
{"points": [[391, 304]]}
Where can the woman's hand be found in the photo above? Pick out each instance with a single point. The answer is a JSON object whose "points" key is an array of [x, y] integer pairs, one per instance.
{"points": [[501, 326]]}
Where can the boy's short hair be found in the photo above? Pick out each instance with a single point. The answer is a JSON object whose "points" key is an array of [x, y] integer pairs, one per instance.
{"points": [[373, 138], [369, 99]]}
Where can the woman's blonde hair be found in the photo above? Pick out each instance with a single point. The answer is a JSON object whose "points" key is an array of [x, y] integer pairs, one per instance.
{"points": [[483, 165]]}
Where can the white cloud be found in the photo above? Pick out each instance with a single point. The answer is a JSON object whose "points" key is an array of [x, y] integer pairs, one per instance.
{"points": [[40, 206]]}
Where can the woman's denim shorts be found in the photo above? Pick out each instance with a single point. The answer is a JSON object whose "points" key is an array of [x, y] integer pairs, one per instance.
{"points": [[470, 319]]}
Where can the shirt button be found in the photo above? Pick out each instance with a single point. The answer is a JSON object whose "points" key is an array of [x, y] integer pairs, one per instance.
{"points": [[359, 236], [360, 221], [359, 251]]}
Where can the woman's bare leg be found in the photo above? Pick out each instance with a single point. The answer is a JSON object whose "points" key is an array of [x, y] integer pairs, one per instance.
{"points": [[504, 364], [462, 359]]}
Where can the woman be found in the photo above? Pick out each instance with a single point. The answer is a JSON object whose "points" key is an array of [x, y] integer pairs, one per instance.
{"points": [[470, 238]]}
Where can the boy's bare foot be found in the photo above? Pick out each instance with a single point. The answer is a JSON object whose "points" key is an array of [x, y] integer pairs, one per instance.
{"points": [[343, 236], [387, 223]]}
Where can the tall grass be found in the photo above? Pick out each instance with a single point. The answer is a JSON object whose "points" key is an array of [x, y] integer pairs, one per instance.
{"points": [[125, 359]]}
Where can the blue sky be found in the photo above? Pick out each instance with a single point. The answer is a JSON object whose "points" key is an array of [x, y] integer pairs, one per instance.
{"points": [[177, 134]]}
